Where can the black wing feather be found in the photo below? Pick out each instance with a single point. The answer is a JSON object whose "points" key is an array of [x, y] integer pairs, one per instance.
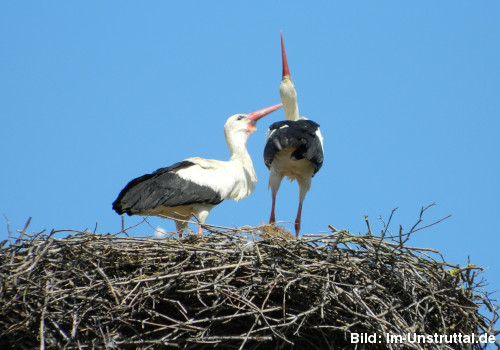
{"points": [[300, 134], [163, 188]]}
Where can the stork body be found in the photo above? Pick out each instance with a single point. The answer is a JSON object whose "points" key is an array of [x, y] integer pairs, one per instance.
{"points": [[294, 147], [194, 186]]}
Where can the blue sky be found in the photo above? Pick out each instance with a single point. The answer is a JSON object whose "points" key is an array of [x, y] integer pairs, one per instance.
{"points": [[94, 94]]}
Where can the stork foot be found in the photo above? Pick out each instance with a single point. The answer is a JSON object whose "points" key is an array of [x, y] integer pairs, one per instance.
{"points": [[272, 218], [297, 229], [200, 230]]}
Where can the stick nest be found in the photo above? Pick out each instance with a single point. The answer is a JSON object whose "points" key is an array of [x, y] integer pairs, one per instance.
{"points": [[245, 288]]}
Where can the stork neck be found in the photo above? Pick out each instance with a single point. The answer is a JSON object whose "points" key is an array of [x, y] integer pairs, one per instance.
{"points": [[239, 154], [288, 96], [245, 160], [236, 143], [291, 109], [238, 151]]}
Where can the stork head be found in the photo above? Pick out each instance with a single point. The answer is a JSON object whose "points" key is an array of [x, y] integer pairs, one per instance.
{"points": [[288, 93], [243, 125]]}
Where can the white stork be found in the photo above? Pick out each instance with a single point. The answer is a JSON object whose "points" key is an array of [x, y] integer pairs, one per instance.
{"points": [[194, 186], [294, 147]]}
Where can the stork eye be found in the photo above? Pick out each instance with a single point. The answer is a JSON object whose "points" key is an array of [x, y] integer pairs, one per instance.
{"points": [[240, 117]]}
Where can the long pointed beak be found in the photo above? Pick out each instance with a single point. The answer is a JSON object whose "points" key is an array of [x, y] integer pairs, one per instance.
{"points": [[254, 116], [286, 71]]}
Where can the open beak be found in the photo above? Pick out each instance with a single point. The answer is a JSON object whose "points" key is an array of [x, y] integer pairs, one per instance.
{"points": [[254, 116], [286, 72]]}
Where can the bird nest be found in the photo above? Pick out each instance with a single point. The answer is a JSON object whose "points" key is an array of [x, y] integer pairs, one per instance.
{"points": [[242, 288]]}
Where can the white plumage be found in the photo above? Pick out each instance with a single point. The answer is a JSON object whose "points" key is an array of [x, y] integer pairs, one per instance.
{"points": [[233, 179]]}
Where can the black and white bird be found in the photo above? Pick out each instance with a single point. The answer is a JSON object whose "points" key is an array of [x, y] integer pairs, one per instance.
{"points": [[194, 186], [294, 147]]}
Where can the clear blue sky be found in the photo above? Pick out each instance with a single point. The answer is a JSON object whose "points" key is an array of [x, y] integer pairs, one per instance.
{"points": [[94, 94]]}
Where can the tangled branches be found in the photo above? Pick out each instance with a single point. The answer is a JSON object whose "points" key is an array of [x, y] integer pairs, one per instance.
{"points": [[233, 289]]}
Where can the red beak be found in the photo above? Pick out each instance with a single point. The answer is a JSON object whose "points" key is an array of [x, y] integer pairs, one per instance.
{"points": [[286, 72], [254, 116]]}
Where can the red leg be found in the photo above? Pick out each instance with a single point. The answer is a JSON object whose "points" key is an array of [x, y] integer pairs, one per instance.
{"points": [[272, 219], [297, 220], [200, 230]]}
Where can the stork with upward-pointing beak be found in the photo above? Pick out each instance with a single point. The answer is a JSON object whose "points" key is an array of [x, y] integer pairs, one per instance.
{"points": [[294, 147], [194, 186]]}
